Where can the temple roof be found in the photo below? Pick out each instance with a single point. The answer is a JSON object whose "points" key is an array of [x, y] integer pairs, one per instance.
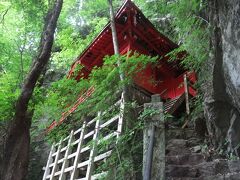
{"points": [[132, 26]]}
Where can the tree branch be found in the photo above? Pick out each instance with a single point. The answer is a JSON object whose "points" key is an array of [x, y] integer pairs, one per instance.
{"points": [[4, 14]]}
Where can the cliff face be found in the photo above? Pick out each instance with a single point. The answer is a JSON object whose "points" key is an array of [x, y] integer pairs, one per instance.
{"points": [[222, 89]]}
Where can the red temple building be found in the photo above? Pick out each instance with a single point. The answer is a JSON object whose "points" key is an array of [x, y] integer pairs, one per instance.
{"points": [[137, 34]]}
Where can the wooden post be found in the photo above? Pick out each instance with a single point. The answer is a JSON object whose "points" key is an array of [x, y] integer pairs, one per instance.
{"points": [[93, 150], [79, 148], [186, 99], [56, 160], [186, 94], [120, 121], [154, 142], [65, 160]]}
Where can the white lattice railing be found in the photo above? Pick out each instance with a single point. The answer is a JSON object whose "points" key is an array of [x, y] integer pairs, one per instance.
{"points": [[77, 156]]}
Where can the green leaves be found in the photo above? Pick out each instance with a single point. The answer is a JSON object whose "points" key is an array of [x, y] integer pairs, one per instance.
{"points": [[19, 34], [181, 21], [8, 95], [62, 95], [192, 31]]}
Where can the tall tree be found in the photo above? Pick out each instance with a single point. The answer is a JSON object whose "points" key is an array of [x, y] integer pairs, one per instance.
{"points": [[116, 46], [15, 161]]}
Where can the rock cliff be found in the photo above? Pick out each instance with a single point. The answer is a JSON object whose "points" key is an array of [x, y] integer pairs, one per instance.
{"points": [[222, 88]]}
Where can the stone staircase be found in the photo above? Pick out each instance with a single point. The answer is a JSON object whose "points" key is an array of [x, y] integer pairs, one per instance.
{"points": [[185, 159]]}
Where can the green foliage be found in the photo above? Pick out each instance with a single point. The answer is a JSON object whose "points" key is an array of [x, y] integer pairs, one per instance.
{"points": [[148, 112], [80, 27], [79, 24], [157, 11], [71, 43], [181, 21], [19, 36], [192, 31], [8, 95], [105, 80]]}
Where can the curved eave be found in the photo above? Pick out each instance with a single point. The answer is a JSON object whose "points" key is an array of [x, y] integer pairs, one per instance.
{"points": [[98, 41]]}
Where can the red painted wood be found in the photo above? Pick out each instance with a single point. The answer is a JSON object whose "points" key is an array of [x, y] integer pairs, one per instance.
{"points": [[81, 99]]}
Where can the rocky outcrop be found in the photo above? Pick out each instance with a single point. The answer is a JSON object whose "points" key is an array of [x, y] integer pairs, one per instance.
{"points": [[222, 89]]}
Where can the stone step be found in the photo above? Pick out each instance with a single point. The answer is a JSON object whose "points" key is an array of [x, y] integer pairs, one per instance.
{"points": [[234, 166], [194, 141], [177, 147], [182, 146], [179, 133], [220, 169], [181, 171], [190, 142], [183, 178], [229, 176], [177, 142], [186, 159], [196, 171]]}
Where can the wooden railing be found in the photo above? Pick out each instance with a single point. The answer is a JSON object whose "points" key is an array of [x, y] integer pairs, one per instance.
{"points": [[80, 100], [77, 156]]}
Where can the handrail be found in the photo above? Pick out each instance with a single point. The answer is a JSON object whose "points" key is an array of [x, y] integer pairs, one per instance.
{"points": [[80, 100]]}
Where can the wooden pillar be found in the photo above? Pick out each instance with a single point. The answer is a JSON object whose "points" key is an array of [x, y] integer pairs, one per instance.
{"points": [[65, 160], [56, 160], [154, 141], [78, 152], [186, 92], [94, 149], [120, 121]]}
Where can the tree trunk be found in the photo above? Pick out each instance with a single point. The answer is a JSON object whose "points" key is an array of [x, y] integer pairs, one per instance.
{"points": [[16, 151], [116, 46], [125, 90], [113, 27]]}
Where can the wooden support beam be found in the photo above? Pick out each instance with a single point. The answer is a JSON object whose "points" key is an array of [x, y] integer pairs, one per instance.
{"points": [[147, 41]]}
